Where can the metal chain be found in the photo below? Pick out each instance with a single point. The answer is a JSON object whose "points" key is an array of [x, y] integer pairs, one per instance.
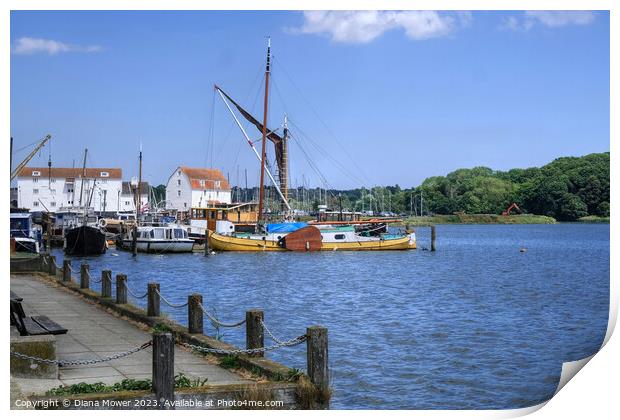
{"points": [[91, 277], [133, 294], [216, 321], [181, 305], [273, 337], [288, 343], [82, 362]]}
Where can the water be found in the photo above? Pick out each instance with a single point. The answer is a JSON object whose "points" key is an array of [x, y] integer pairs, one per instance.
{"points": [[477, 324]]}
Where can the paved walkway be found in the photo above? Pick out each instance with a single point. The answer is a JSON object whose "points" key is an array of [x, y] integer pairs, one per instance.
{"points": [[94, 333]]}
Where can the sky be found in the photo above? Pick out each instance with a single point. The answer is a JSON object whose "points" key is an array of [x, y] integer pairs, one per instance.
{"points": [[371, 98]]}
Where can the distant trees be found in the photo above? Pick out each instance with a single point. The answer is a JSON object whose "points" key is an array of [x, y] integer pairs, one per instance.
{"points": [[567, 188]]}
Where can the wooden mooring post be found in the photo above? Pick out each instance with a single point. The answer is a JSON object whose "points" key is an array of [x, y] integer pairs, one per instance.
{"points": [[194, 314], [52, 264], [163, 369], [153, 301], [66, 270], [433, 237], [121, 288], [317, 357], [84, 276], [106, 283], [254, 333]]}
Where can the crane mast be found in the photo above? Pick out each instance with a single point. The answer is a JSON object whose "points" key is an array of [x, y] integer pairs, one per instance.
{"points": [[24, 162]]}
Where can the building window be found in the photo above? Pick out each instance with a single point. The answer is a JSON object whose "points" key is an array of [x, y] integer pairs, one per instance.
{"points": [[35, 180], [70, 190], [52, 191], [35, 191], [35, 204], [184, 204], [202, 182], [52, 180], [53, 204], [178, 193], [217, 184], [104, 174], [179, 173], [178, 182], [104, 181], [127, 203], [36, 173]]}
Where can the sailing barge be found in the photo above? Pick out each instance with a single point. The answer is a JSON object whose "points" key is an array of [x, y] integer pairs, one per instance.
{"points": [[288, 236]]}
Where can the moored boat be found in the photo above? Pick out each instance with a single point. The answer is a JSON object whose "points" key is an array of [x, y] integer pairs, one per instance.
{"points": [[172, 238], [85, 240]]}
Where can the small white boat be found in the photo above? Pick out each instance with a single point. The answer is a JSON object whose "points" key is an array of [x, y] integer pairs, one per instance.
{"points": [[160, 239]]}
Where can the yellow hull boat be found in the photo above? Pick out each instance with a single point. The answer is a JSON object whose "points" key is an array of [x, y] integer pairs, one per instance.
{"points": [[219, 242]]}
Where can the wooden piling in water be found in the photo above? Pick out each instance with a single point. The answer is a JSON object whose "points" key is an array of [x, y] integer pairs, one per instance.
{"points": [[121, 288], [84, 276], [194, 314], [66, 270], [254, 334], [106, 283], [433, 237], [317, 357], [134, 240], [153, 301], [163, 368]]}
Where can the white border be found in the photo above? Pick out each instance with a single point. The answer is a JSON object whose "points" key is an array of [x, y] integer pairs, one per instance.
{"points": [[592, 395]]}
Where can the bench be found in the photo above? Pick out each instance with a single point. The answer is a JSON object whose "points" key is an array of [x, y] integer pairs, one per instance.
{"points": [[33, 325]]}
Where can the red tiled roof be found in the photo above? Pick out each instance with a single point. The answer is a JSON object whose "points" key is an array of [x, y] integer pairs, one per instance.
{"points": [[209, 176], [116, 173]]}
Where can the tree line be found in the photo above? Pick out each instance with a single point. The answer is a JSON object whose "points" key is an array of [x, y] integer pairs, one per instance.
{"points": [[566, 189]]}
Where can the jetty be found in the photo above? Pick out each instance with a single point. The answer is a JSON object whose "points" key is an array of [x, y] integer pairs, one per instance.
{"points": [[112, 351]]}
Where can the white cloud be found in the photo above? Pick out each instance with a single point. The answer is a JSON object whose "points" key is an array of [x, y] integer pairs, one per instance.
{"points": [[561, 18], [549, 18], [365, 26], [28, 46]]}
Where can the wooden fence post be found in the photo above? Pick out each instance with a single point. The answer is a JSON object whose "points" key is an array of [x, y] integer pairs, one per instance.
{"points": [[152, 308], [52, 260], [84, 276], [254, 334], [163, 368], [106, 283], [66, 270], [433, 237], [194, 314], [318, 368], [121, 288]]}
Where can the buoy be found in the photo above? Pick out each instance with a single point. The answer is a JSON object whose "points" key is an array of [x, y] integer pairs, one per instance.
{"points": [[523, 250]]}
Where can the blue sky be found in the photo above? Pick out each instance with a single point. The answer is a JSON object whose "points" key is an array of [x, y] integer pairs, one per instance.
{"points": [[374, 98]]}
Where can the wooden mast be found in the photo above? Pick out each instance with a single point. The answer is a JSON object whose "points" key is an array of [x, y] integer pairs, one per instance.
{"points": [[83, 175], [264, 145]]}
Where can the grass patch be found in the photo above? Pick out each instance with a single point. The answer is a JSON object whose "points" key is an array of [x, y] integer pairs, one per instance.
{"points": [[230, 362], [593, 219], [311, 397], [180, 381], [478, 219]]}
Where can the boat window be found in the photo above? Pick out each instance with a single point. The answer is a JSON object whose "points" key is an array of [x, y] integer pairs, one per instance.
{"points": [[151, 234], [178, 233], [213, 214], [339, 236], [158, 233]]}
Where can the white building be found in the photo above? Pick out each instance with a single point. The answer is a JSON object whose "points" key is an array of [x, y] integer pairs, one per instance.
{"points": [[127, 201], [45, 189], [42, 189], [196, 187]]}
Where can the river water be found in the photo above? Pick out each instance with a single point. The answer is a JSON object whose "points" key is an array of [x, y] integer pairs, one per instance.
{"points": [[476, 324]]}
